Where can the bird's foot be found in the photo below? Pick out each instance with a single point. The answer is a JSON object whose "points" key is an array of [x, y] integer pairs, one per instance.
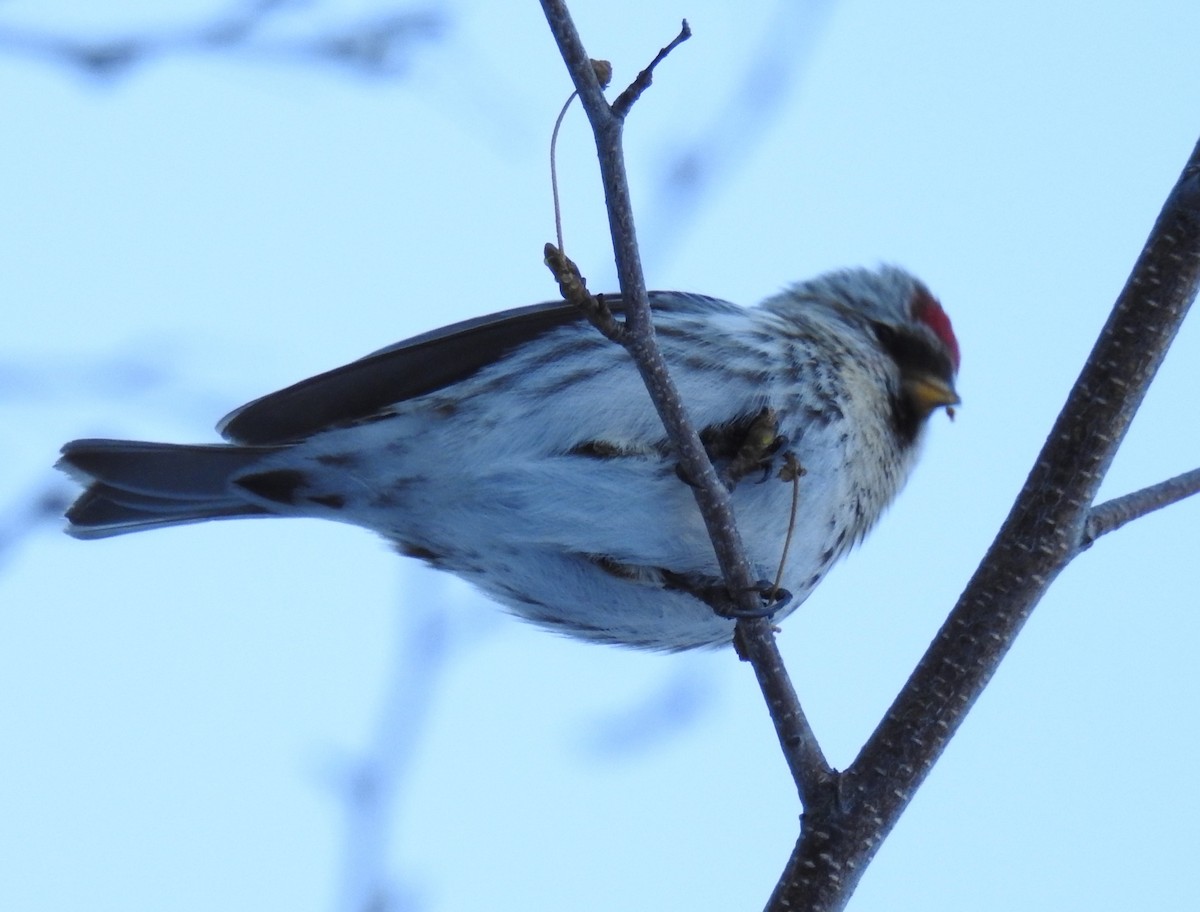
{"points": [[760, 443], [741, 448], [772, 599]]}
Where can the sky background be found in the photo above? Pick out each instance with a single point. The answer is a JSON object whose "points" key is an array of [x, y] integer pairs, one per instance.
{"points": [[285, 715]]}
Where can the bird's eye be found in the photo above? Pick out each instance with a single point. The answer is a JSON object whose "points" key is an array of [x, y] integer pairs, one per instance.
{"points": [[885, 334]]}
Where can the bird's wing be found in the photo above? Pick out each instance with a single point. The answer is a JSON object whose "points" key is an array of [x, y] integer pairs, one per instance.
{"points": [[414, 367]]}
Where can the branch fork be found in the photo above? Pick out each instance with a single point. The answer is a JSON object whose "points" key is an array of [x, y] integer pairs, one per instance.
{"points": [[847, 815]]}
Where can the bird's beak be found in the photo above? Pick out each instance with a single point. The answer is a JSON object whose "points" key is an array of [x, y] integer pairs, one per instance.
{"points": [[928, 392]]}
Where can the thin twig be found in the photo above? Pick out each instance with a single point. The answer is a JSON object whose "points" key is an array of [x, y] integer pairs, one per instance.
{"points": [[554, 170], [603, 71], [791, 471], [626, 99], [1112, 514], [574, 290], [804, 757]]}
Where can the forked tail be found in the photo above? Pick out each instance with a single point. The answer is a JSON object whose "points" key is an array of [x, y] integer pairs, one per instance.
{"points": [[133, 486]]}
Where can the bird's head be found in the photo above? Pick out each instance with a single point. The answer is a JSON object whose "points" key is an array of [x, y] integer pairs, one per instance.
{"points": [[894, 311]]}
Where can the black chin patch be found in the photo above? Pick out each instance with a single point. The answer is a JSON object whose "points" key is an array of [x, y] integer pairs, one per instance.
{"points": [[915, 354], [906, 421]]}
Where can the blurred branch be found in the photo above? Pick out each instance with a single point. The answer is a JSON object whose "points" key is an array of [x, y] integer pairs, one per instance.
{"points": [[42, 503], [370, 785], [693, 166], [117, 375], [381, 45]]}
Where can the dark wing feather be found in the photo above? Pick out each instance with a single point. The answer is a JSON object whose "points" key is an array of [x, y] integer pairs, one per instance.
{"points": [[411, 368]]}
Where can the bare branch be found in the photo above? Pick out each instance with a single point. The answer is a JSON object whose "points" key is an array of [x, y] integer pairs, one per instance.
{"points": [[626, 99], [573, 287], [847, 817], [1112, 514], [1038, 539], [815, 779], [756, 638]]}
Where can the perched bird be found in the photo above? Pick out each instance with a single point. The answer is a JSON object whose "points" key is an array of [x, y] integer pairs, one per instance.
{"points": [[521, 452]]}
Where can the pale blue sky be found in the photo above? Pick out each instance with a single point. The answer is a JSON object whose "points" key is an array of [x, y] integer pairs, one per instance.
{"points": [[180, 709]]}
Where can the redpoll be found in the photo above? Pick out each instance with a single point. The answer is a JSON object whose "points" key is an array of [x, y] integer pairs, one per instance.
{"points": [[521, 452]]}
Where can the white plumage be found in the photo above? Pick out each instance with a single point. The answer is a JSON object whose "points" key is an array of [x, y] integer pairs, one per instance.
{"points": [[522, 452]]}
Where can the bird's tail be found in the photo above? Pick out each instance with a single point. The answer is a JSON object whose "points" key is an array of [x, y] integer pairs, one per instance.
{"points": [[133, 486]]}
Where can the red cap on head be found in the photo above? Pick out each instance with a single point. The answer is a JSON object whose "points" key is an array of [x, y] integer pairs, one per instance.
{"points": [[927, 310]]}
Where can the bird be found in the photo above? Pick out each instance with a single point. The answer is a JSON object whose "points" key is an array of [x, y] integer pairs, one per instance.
{"points": [[521, 452]]}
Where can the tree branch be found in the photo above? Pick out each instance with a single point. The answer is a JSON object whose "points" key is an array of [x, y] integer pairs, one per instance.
{"points": [[808, 766], [1112, 514], [846, 818], [626, 99], [1040, 536]]}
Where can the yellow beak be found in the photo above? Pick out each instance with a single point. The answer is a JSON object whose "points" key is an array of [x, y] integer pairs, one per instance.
{"points": [[928, 393]]}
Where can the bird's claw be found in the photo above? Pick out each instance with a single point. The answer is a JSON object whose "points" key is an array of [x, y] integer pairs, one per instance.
{"points": [[773, 599], [743, 449], [760, 443]]}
